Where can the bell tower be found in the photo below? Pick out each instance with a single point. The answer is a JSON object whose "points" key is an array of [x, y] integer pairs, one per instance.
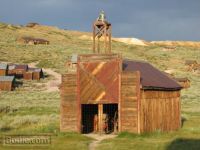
{"points": [[102, 35]]}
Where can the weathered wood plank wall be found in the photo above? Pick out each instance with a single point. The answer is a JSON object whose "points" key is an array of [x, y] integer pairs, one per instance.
{"points": [[129, 103], [6, 85], [160, 110], [99, 78], [3, 72], [68, 105]]}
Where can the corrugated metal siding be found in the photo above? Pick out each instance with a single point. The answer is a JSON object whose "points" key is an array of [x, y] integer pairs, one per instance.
{"points": [[7, 78], [3, 66]]}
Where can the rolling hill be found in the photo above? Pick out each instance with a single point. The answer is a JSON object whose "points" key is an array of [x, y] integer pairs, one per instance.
{"points": [[38, 111]]}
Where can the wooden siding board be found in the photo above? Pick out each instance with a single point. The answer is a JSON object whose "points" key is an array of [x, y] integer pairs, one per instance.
{"points": [[68, 105], [160, 110], [129, 101], [98, 82]]}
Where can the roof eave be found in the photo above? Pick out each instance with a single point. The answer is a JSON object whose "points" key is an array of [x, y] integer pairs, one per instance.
{"points": [[162, 88]]}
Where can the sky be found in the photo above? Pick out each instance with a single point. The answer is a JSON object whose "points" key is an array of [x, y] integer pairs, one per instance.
{"points": [[145, 19]]}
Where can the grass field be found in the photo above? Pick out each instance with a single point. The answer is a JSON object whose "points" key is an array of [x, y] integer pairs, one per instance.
{"points": [[33, 111]]}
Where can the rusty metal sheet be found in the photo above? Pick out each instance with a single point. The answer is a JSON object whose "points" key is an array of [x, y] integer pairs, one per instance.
{"points": [[151, 78]]}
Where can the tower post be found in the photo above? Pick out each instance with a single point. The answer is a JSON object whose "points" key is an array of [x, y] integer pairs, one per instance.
{"points": [[102, 32]]}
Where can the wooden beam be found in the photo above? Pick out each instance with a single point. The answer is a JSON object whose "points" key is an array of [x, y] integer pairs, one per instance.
{"points": [[138, 100], [110, 33], [105, 40], [119, 101], [100, 117], [79, 128], [94, 39]]}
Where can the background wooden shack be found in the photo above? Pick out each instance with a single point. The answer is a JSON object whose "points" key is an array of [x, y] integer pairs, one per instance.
{"points": [[3, 69], [33, 41], [184, 82], [28, 75], [19, 70], [11, 69], [7, 83], [37, 73]]}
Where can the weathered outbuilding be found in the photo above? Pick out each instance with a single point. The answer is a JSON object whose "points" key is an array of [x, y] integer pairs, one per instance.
{"points": [[103, 93], [33, 41], [3, 69], [37, 73], [11, 69], [184, 82], [7, 83], [19, 70], [129, 96], [32, 24]]}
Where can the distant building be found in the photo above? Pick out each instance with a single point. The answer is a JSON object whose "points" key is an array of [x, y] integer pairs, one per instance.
{"points": [[33, 41], [3, 69], [33, 74], [184, 82], [7, 83], [32, 24]]}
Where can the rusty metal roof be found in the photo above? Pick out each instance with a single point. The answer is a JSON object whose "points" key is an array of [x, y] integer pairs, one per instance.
{"points": [[34, 39], [7, 78], [182, 79], [23, 67], [11, 66], [34, 69], [3, 66], [151, 78]]}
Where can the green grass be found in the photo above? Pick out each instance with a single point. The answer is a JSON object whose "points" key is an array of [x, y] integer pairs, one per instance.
{"points": [[188, 137], [66, 141], [33, 111]]}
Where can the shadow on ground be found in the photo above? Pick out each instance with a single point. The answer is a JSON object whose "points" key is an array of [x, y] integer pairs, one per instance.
{"points": [[184, 144]]}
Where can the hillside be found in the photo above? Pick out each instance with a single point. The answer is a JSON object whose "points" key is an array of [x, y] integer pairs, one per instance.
{"points": [[177, 43], [38, 110]]}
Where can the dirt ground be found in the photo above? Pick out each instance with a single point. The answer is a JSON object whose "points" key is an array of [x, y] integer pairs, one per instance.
{"points": [[98, 138], [53, 84]]}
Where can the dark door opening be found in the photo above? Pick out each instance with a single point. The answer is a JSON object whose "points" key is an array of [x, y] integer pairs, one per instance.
{"points": [[89, 117], [102, 118], [110, 118]]}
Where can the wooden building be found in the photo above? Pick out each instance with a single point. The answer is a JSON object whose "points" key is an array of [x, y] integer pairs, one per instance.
{"points": [[11, 69], [190, 62], [192, 65], [32, 24], [33, 41], [23, 71], [135, 96], [3, 69], [37, 73], [19, 70], [184, 82], [7, 83], [105, 94], [28, 75]]}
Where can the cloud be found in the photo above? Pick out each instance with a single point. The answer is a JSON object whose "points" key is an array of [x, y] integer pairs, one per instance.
{"points": [[151, 20]]}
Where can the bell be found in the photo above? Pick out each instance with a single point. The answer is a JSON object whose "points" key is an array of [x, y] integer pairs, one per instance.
{"points": [[102, 16]]}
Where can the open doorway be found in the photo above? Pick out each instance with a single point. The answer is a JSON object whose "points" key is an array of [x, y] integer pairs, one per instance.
{"points": [[102, 118], [89, 118], [110, 118]]}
